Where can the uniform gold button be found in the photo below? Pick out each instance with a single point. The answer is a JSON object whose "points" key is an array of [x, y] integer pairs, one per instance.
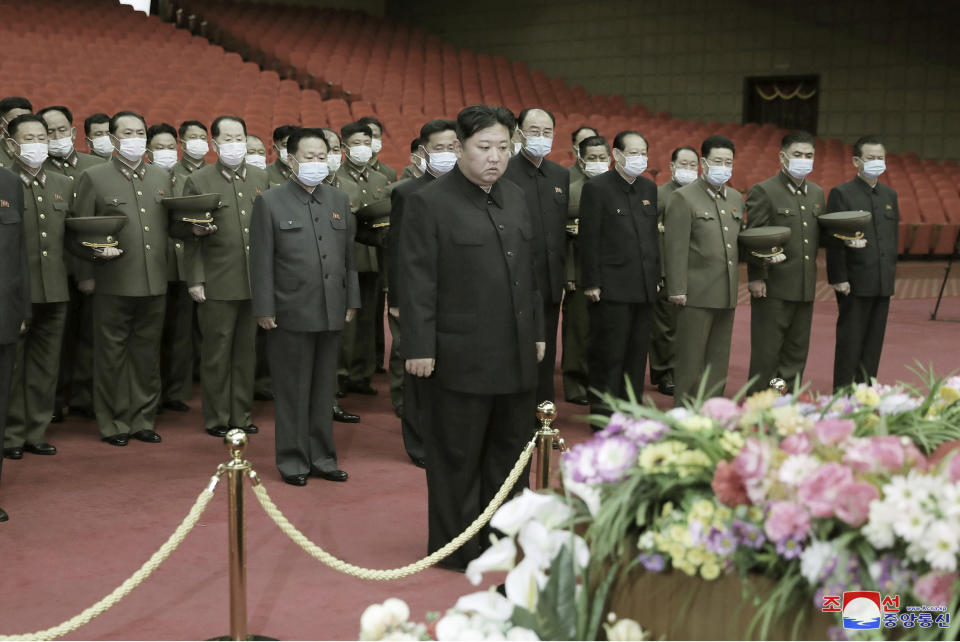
{"points": [[35, 183], [43, 234], [726, 229], [39, 199], [248, 248], [706, 213], [723, 211], [806, 258], [44, 252], [146, 228], [728, 245], [246, 230], [43, 216], [729, 262], [139, 193], [240, 194], [803, 207], [244, 212], [147, 246], [143, 210], [364, 191], [178, 246], [804, 223], [806, 240], [70, 177]]}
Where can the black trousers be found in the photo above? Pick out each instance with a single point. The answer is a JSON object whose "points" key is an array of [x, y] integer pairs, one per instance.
{"points": [[861, 324], [471, 442], [8, 352], [547, 368], [619, 341], [304, 369]]}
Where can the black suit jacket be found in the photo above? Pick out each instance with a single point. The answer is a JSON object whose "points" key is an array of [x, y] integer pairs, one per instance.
{"points": [[468, 294], [618, 244], [870, 270], [14, 280], [547, 190], [398, 198]]}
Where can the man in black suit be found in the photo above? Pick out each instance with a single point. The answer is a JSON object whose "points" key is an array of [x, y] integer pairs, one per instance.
{"points": [[438, 139], [546, 186], [304, 287], [863, 277], [619, 268], [15, 306], [470, 317]]}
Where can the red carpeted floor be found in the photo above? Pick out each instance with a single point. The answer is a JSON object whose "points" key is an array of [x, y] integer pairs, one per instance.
{"points": [[84, 520]]}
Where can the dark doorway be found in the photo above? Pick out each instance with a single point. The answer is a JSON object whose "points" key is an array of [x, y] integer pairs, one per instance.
{"points": [[790, 102]]}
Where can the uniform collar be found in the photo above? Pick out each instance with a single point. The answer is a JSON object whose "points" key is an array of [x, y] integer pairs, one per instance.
{"points": [[357, 174], [714, 192], [532, 167], [230, 173], [624, 184], [476, 193], [332, 180], [793, 187], [124, 169], [27, 178], [190, 164], [70, 161], [867, 186], [303, 195]]}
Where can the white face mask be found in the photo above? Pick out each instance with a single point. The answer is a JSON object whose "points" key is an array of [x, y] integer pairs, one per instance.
{"points": [[311, 174], [133, 149], [376, 144], [33, 154], [60, 147], [717, 175], [164, 158], [684, 176], [874, 168], [798, 168], [421, 164], [442, 162], [257, 160], [361, 154], [101, 145], [197, 148], [283, 155], [516, 148], [232, 154], [538, 146], [634, 165], [334, 161], [595, 168]]}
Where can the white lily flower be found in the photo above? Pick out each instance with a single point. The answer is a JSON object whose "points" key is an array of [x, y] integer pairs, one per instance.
{"points": [[529, 505], [397, 610], [523, 584], [588, 493], [451, 627], [501, 556], [488, 604], [520, 634], [625, 629], [374, 622], [539, 544]]}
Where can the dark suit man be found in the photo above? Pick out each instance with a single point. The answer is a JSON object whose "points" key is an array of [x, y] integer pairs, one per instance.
{"points": [[546, 186], [305, 287], [470, 319], [439, 139], [863, 278], [15, 307], [620, 267]]}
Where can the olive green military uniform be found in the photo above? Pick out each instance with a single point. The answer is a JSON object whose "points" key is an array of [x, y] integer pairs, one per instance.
{"points": [[700, 241], [358, 346], [662, 352], [379, 166], [780, 322], [576, 173], [6, 160], [227, 325], [382, 284], [575, 328], [47, 201], [75, 381], [130, 293], [410, 171], [182, 170], [278, 173]]}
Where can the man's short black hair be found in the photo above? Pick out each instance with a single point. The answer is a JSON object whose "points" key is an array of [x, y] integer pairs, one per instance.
{"points": [[676, 152], [592, 141], [573, 136], [160, 128], [14, 102], [98, 118], [282, 132], [716, 141], [350, 129], [215, 126], [475, 118], [21, 120], [60, 108], [619, 141], [187, 124], [120, 114], [370, 120], [523, 115], [415, 145], [869, 139], [300, 133], [435, 127], [797, 137]]}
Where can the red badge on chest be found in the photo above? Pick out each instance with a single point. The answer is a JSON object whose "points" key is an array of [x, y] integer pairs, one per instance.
{"points": [[4, 203], [335, 216]]}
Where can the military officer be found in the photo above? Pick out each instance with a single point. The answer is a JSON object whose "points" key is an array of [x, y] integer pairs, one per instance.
{"points": [[15, 306], [193, 142], [579, 134], [863, 277], [364, 186], [575, 330], [262, 385], [304, 288], [546, 186], [63, 157], [220, 281], [278, 171], [781, 296], [684, 162], [129, 283], [376, 145], [47, 199], [256, 152], [10, 108], [418, 164], [96, 131], [334, 156]]}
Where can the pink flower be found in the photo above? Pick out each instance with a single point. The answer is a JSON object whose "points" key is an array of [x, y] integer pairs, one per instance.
{"points": [[831, 431], [819, 491], [797, 444], [723, 411], [876, 454], [935, 588], [853, 502], [753, 459], [728, 485], [787, 520]]}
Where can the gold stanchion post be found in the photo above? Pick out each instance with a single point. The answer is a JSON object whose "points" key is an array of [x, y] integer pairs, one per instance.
{"points": [[779, 385], [548, 438]]}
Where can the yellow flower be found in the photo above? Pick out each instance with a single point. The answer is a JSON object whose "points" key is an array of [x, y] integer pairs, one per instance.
{"points": [[761, 400], [870, 421], [732, 442], [787, 420], [696, 555], [691, 461], [723, 514], [867, 396], [696, 423], [667, 509], [685, 566], [710, 571], [677, 533], [948, 394], [702, 509], [755, 513], [656, 458]]}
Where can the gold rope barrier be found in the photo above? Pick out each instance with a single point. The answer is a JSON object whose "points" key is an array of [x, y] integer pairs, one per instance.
{"points": [[134, 580]]}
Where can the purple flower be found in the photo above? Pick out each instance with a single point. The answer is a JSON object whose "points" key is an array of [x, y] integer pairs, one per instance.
{"points": [[653, 563], [749, 534], [580, 462], [789, 548], [721, 542], [696, 532], [645, 431], [614, 457], [618, 421]]}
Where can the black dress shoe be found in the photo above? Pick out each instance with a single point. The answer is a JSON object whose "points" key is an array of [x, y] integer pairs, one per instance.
{"points": [[345, 417], [250, 430], [361, 388], [3, 515], [295, 480], [380, 370], [83, 411], [13, 453], [40, 449], [218, 431], [579, 401], [116, 440], [451, 566], [419, 462], [57, 417], [340, 394], [263, 396], [176, 406], [148, 436], [666, 388], [331, 475]]}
